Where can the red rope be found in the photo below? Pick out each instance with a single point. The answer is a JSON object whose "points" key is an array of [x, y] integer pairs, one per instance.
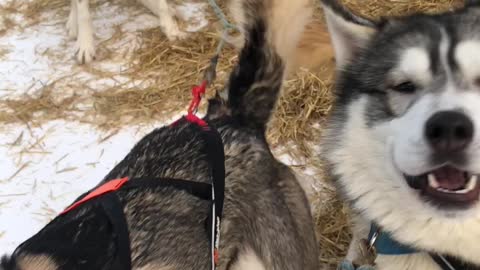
{"points": [[197, 91]]}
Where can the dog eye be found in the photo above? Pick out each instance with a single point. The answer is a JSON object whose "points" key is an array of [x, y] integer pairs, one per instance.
{"points": [[405, 88]]}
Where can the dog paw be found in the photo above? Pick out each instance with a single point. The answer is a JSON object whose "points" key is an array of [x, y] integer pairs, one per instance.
{"points": [[236, 41], [85, 51], [175, 34]]}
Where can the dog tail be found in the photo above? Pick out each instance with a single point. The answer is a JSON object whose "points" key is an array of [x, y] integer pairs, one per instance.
{"points": [[272, 30]]}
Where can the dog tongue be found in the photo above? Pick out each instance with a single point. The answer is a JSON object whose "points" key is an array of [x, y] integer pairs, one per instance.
{"points": [[450, 178]]}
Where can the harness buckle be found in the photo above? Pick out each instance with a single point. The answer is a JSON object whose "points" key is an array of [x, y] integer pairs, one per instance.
{"points": [[373, 239], [368, 250]]}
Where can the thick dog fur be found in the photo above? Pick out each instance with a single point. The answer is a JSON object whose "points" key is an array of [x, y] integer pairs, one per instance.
{"points": [[267, 221], [79, 25], [375, 134]]}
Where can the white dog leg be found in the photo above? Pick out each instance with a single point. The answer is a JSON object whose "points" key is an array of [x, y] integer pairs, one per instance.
{"points": [[167, 21], [166, 16], [354, 250], [85, 47], [72, 22], [248, 260]]}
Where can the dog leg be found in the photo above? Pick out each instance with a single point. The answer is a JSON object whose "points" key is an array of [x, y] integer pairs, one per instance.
{"points": [[85, 47], [167, 21], [248, 260], [354, 252], [236, 41], [360, 229], [72, 22], [166, 18]]}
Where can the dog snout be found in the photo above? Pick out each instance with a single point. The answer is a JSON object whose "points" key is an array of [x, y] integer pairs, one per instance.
{"points": [[449, 131]]}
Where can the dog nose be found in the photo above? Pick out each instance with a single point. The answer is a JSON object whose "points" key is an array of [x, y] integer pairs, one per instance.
{"points": [[449, 131]]}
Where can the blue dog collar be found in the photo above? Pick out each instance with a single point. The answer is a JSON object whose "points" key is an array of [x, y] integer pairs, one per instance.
{"points": [[384, 244]]}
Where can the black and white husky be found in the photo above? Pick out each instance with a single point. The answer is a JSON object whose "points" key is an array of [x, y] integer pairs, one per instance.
{"points": [[403, 140], [79, 25]]}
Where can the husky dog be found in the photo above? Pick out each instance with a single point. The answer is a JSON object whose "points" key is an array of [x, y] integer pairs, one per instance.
{"points": [[267, 222], [403, 140], [79, 25]]}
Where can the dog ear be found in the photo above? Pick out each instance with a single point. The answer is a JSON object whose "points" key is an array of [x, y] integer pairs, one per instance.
{"points": [[348, 32]]}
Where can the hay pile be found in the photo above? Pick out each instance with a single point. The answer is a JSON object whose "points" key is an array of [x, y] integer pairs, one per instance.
{"points": [[383, 8], [164, 72], [6, 21], [26, 109]]}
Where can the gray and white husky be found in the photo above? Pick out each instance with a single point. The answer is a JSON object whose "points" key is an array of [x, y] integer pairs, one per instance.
{"points": [[403, 140]]}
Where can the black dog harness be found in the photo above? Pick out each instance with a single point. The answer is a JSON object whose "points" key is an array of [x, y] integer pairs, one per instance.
{"points": [[105, 195], [213, 191]]}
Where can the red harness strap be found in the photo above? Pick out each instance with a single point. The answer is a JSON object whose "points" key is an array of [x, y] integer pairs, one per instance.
{"points": [[108, 187]]}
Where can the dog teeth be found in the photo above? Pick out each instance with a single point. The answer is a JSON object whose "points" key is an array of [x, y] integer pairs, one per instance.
{"points": [[461, 191], [472, 183], [432, 181]]}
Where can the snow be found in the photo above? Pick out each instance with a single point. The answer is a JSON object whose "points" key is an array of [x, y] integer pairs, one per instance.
{"points": [[44, 168]]}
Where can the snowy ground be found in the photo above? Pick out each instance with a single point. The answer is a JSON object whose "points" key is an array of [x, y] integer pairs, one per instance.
{"points": [[42, 169]]}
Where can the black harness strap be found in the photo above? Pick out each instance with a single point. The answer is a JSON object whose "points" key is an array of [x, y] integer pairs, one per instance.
{"points": [[443, 262], [450, 263], [114, 210], [216, 157], [197, 189]]}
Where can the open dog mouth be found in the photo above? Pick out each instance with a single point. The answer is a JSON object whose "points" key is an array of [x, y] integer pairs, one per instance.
{"points": [[448, 186]]}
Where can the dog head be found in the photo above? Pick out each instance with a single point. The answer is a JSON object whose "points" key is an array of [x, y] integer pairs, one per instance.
{"points": [[404, 136]]}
